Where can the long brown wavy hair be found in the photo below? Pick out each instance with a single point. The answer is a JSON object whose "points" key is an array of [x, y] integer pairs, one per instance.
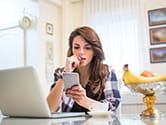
{"points": [[97, 68]]}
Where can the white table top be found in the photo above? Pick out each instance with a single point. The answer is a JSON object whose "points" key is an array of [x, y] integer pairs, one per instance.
{"points": [[125, 119]]}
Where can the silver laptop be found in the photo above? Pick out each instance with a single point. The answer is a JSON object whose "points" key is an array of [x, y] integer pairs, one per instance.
{"points": [[22, 95]]}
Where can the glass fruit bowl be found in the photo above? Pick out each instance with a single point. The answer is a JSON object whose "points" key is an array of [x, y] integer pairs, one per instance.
{"points": [[148, 86]]}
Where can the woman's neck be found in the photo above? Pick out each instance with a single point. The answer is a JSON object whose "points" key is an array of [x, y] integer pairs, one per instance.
{"points": [[84, 75]]}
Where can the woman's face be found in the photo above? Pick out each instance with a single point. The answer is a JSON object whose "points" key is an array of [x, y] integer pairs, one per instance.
{"points": [[82, 50]]}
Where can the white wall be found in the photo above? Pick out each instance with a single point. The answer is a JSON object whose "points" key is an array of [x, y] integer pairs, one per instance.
{"points": [[11, 14], [41, 12], [150, 5], [72, 18], [49, 13]]}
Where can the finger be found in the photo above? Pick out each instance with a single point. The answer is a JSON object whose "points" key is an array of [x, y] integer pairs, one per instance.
{"points": [[75, 87], [78, 93], [75, 96], [71, 63], [76, 62]]}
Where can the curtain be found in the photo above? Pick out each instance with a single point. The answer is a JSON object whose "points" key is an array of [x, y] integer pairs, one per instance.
{"points": [[121, 26]]}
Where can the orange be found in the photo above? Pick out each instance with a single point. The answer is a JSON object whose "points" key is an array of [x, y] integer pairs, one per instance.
{"points": [[147, 73]]}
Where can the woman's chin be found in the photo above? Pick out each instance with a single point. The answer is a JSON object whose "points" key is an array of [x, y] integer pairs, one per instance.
{"points": [[82, 65]]}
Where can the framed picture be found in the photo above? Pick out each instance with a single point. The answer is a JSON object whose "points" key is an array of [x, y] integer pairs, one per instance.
{"points": [[49, 28], [157, 16], [158, 55], [158, 35]]}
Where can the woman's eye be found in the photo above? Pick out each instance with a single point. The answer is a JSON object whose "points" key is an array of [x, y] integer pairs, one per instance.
{"points": [[75, 47], [88, 48]]}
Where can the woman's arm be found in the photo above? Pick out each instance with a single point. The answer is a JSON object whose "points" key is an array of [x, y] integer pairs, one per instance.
{"points": [[54, 97]]}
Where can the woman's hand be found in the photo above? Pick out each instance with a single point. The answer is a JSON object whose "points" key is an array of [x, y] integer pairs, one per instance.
{"points": [[71, 63], [78, 94]]}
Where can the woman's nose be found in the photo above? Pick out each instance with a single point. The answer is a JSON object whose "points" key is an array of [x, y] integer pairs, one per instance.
{"points": [[82, 51]]}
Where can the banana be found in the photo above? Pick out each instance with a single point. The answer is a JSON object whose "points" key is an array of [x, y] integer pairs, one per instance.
{"points": [[129, 77]]}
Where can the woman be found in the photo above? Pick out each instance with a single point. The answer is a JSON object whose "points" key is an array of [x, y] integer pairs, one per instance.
{"points": [[98, 82]]}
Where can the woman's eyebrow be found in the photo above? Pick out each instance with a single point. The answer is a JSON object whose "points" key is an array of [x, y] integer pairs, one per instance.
{"points": [[87, 44], [76, 44]]}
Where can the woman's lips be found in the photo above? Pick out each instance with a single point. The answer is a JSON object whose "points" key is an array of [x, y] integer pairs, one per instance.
{"points": [[81, 59]]}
